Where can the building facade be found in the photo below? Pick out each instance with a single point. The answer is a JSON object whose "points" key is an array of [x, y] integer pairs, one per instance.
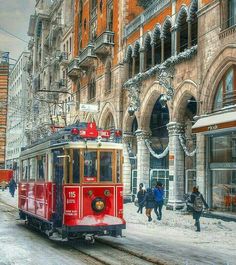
{"points": [[4, 75], [17, 114], [163, 71]]}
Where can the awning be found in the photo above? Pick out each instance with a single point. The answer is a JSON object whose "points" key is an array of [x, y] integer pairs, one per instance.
{"points": [[215, 122]]}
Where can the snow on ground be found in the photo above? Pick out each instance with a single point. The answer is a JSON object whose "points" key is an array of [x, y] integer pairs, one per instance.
{"points": [[216, 234]]}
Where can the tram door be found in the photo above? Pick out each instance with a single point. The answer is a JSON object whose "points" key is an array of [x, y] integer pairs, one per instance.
{"points": [[190, 180], [58, 172], [161, 175], [134, 184]]}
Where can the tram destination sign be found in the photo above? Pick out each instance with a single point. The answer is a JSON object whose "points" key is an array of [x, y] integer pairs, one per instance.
{"points": [[88, 107]]}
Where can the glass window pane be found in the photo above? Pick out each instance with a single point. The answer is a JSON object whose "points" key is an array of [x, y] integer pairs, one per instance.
{"points": [[218, 102], [106, 166], [118, 167], [229, 81], [90, 165], [32, 168], [41, 164], [25, 169], [76, 166]]}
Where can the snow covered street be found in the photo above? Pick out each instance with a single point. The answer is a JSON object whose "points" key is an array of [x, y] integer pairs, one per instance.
{"points": [[173, 240]]}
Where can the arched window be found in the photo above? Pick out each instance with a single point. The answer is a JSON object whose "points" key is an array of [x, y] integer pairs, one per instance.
{"points": [[109, 124], [108, 83], [129, 60], [92, 89], [80, 12], [167, 40], [137, 59], [110, 17], [157, 46], [226, 90], [148, 53], [231, 12], [182, 32]]}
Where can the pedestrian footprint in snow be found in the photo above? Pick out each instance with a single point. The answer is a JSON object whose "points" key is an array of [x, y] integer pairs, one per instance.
{"points": [[159, 199], [149, 203], [140, 196], [197, 201]]}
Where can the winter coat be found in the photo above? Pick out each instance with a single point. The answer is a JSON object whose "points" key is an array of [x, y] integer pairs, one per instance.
{"points": [[141, 195], [12, 185], [196, 215], [149, 199], [159, 194]]}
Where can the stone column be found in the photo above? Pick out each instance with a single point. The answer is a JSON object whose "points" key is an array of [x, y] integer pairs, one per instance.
{"points": [[174, 41], [142, 57], [176, 167], [143, 158], [153, 54], [133, 65], [162, 49], [127, 138], [189, 34]]}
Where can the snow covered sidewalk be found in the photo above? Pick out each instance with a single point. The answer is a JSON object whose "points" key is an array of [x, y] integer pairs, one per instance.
{"points": [[173, 239]]}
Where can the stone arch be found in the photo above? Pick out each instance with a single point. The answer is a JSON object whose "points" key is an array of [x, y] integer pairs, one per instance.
{"points": [[129, 61], [128, 120], [192, 9], [154, 92], [136, 57], [214, 74], [107, 110], [89, 117], [166, 25], [156, 33], [148, 52], [147, 40], [136, 49], [182, 13], [185, 91], [129, 53]]}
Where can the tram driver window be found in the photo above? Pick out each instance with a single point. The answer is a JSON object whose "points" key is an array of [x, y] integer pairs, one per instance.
{"points": [[106, 166], [90, 166], [76, 167]]}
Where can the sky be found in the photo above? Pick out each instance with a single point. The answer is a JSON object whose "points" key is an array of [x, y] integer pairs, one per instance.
{"points": [[14, 18]]}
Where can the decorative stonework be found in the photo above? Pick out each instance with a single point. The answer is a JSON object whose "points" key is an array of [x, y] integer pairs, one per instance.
{"points": [[142, 135], [134, 105], [175, 128], [145, 3], [158, 156]]}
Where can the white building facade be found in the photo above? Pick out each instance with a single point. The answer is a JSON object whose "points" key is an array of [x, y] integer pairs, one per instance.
{"points": [[17, 112]]}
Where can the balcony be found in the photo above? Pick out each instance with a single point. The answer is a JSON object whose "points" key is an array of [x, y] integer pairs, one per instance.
{"points": [[73, 68], [104, 43], [87, 57], [152, 10], [63, 60]]}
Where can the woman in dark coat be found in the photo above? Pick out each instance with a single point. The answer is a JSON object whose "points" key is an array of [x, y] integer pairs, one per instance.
{"points": [[140, 197], [149, 202], [197, 201], [12, 187]]}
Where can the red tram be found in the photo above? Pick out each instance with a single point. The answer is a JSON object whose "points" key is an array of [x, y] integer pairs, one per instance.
{"points": [[71, 184]]}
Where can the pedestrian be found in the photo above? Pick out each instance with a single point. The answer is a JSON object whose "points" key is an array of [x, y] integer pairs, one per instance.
{"points": [[159, 199], [149, 203], [197, 201], [12, 187], [140, 196], [3, 185]]}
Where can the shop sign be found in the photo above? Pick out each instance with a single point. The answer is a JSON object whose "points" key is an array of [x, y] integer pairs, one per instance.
{"points": [[223, 165], [212, 127]]}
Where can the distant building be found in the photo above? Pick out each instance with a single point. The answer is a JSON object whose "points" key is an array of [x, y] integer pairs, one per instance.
{"points": [[17, 115], [4, 73]]}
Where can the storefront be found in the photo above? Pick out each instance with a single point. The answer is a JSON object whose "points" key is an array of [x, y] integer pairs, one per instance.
{"points": [[220, 159]]}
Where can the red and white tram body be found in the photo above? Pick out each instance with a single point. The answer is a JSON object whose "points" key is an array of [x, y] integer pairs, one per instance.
{"points": [[71, 184]]}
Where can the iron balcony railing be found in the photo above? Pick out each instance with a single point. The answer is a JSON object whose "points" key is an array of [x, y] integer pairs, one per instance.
{"points": [[87, 52], [73, 65], [152, 10]]}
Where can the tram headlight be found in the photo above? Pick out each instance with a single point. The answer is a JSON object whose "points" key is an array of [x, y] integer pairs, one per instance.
{"points": [[98, 205]]}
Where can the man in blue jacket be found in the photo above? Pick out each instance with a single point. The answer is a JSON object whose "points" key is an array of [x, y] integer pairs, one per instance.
{"points": [[159, 199]]}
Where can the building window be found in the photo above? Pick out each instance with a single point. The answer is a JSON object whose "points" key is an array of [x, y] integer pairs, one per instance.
{"points": [[108, 83], [231, 12], [226, 90], [110, 17], [92, 89], [148, 53], [183, 33]]}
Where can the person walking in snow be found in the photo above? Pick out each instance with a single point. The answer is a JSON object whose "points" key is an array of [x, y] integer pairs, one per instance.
{"points": [[149, 202], [140, 196], [12, 187], [197, 201], [159, 199]]}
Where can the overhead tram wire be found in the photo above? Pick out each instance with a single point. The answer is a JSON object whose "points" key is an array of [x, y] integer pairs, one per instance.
{"points": [[11, 34]]}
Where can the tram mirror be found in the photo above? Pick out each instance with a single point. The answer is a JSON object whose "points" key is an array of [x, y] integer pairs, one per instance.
{"points": [[65, 156]]}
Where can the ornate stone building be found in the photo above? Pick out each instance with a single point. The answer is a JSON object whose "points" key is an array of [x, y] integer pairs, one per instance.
{"points": [[163, 72]]}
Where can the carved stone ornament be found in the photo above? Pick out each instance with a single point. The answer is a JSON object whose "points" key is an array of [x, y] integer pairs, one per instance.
{"points": [[145, 3], [142, 135], [134, 105]]}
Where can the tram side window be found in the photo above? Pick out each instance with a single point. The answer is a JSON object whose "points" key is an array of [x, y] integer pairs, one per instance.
{"points": [[76, 166], [118, 167], [58, 168], [32, 168], [41, 167], [106, 166], [90, 165], [25, 169]]}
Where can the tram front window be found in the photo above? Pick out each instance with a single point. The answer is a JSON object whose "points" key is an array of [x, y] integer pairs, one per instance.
{"points": [[90, 166], [106, 166]]}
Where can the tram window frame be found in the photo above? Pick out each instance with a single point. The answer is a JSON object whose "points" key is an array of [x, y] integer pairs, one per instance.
{"points": [[75, 167], [82, 161], [62, 152], [44, 167], [32, 168], [113, 164], [119, 162], [24, 173]]}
